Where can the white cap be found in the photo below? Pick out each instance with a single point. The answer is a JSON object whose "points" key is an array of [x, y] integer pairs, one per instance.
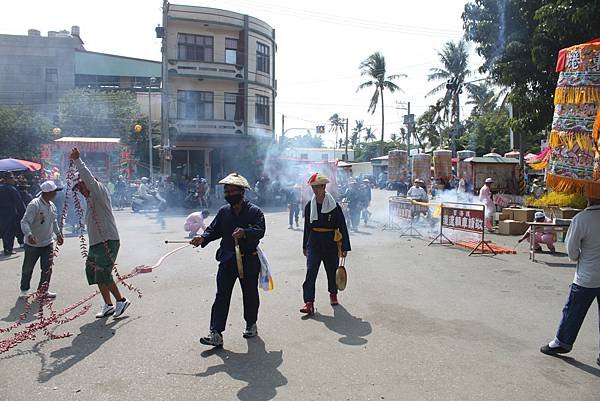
{"points": [[49, 186], [539, 215], [489, 180]]}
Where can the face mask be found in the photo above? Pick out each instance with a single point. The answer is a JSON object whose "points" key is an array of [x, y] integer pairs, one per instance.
{"points": [[234, 199]]}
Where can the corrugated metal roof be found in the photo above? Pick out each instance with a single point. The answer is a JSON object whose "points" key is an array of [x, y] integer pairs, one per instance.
{"points": [[91, 63], [492, 160], [87, 140]]}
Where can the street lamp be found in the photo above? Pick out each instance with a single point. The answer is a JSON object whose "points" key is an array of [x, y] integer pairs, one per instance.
{"points": [[152, 82]]}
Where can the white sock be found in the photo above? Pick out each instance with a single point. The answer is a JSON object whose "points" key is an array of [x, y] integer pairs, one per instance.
{"points": [[554, 344]]}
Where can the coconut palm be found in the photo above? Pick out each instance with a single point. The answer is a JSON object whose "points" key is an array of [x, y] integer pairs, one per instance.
{"points": [[374, 68], [453, 73], [370, 134], [359, 126], [337, 125], [482, 97]]}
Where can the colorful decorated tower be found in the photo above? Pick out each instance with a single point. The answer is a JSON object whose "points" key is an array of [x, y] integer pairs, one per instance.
{"points": [[574, 142]]}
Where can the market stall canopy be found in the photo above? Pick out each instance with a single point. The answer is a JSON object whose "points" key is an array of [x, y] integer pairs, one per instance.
{"points": [[18, 165]]}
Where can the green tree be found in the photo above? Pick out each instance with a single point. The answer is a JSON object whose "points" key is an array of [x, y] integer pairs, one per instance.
{"points": [[22, 132], [519, 41], [487, 131], [96, 113], [374, 68], [369, 134], [430, 126], [305, 141], [337, 125], [482, 97], [454, 71], [359, 127]]}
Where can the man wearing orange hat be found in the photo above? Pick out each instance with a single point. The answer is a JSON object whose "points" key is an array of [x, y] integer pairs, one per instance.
{"points": [[325, 240]]}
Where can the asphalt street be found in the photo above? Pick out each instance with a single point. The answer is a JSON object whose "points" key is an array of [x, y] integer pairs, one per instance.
{"points": [[415, 323]]}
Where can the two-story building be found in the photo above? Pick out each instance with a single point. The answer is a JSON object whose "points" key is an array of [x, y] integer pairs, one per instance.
{"points": [[219, 74]]}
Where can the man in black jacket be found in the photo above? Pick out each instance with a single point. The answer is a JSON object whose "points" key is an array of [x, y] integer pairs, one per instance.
{"points": [[240, 222], [325, 240], [11, 206]]}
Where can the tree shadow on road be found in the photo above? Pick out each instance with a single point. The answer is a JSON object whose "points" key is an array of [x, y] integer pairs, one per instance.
{"points": [[89, 340], [257, 367], [353, 329], [580, 365]]}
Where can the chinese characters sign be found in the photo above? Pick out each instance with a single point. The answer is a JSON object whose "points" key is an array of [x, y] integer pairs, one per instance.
{"points": [[457, 218]]}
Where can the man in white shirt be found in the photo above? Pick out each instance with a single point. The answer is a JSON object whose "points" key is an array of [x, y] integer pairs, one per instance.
{"points": [[39, 226], [583, 246], [485, 197], [104, 239], [418, 193]]}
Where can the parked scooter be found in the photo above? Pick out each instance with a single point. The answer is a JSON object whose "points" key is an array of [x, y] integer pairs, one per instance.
{"points": [[139, 203]]}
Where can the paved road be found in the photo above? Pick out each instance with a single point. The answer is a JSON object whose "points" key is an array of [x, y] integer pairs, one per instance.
{"points": [[416, 323]]}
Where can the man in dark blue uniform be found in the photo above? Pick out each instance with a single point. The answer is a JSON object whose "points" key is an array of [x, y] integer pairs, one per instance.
{"points": [[11, 206], [325, 240], [241, 223]]}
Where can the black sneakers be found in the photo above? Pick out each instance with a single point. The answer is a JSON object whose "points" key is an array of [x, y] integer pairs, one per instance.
{"points": [[214, 338], [251, 331], [548, 350]]}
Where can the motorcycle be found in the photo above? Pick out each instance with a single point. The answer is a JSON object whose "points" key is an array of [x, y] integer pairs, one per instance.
{"points": [[138, 203]]}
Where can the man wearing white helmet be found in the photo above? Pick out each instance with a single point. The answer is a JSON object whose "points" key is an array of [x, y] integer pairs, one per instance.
{"points": [[144, 189], [242, 223]]}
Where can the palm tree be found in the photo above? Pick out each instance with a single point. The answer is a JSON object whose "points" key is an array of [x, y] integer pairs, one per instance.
{"points": [[482, 97], [454, 71], [374, 68], [359, 126], [338, 125], [369, 134]]}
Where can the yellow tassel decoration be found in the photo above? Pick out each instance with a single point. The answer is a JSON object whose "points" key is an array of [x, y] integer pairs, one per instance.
{"points": [[571, 185], [577, 95]]}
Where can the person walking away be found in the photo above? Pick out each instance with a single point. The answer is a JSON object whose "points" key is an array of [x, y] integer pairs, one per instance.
{"points": [[40, 226], [293, 202], [365, 200], [325, 240], [195, 222], [103, 237], [485, 197], [353, 197], [583, 246], [546, 236], [239, 223], [11, 207]]}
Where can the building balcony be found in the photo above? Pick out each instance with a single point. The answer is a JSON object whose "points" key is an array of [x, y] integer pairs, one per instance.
{"points": [[204, 69], [205, 127]]}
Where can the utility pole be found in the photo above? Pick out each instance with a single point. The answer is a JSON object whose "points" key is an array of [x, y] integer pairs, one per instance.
{"points": [[282, 128], [164, 96], [409, 132], [150, 161], [347, 139]]}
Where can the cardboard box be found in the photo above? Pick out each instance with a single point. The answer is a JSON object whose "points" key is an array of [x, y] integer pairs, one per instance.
{"points": [[508, 211], [512, 227], [505, 216], [568, 212], [524, 214]]}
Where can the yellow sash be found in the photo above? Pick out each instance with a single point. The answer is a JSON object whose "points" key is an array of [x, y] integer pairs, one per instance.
{"points": [[337, 236]]}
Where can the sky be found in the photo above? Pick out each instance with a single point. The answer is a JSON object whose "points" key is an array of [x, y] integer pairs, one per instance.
{"points": [[320, 46]]}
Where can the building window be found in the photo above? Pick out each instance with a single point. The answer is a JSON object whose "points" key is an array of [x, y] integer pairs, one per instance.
{"points": [[324, 156], [263, 58], [194, 47], [51, 75], [231, 48], [231, 100], [194, 105], [262, 110], [304, 156]]}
